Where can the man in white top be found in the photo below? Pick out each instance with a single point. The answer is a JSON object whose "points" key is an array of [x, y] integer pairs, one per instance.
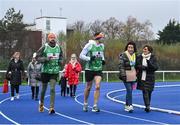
{"points": [[93, 54]]}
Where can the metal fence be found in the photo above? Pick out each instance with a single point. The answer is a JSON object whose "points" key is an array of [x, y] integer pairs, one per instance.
{"points": [[113, 75]]}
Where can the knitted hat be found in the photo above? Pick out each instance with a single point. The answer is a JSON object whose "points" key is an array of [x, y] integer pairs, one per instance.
{"points": [[51, 35]]}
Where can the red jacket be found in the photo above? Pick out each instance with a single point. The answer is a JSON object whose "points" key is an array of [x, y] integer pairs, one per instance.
{"points": [[73, 73]]}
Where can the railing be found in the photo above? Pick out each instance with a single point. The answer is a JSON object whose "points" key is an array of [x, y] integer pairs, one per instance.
{"points": [[163, 73], [116, 72]]}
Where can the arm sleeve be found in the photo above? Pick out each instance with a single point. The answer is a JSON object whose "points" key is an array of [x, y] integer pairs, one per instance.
{"points": [[22, 69], [66, 71], [152, 64], [60, 56], [28, 70], [121, 66], [39, 56], [9, 68], [103, 53], [78, 68], [83, 54]]}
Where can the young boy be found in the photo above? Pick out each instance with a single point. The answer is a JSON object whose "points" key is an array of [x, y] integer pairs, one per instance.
{"points": [[63, 83]]}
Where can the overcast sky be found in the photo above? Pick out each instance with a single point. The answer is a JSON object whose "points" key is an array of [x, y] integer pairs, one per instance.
{"points": [[159, 12]]}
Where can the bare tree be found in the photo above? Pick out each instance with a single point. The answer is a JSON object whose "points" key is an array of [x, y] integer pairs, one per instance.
{"points": [[96, 26], [134, 30], [111, 27], [147, 33], [79, 26]]}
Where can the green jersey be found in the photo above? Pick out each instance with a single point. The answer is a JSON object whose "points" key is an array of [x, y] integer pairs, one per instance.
{"points": [[93, 50], [52, 66]]}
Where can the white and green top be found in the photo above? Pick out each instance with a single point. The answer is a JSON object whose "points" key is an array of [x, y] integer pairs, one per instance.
{"points": [[52, 66], [93, 49]]}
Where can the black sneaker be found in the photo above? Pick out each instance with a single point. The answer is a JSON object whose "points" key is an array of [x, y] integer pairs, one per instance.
{"points": [[147, 109], [95, 109]]}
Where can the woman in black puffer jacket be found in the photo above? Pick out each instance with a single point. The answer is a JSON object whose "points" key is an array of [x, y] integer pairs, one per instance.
{"points": [[16, 71], [146, 65], [127, 72]]}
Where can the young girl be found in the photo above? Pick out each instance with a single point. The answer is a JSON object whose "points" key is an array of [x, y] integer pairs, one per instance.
{"points": [[72, 74]]}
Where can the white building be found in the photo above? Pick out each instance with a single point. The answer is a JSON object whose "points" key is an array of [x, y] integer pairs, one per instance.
{"points": [[51, 25]]}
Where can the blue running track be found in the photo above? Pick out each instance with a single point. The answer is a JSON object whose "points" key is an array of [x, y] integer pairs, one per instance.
{"points": [[165, 107]]}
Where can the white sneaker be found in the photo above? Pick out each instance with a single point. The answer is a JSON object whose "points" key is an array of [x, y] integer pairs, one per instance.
{"points": [[12, 98], [126, 108], [85, 107], [129, 108], [95, 109], [17, 96]]}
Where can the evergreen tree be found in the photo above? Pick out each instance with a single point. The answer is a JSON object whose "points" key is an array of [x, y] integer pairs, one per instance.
{"points": [[12, 21], [11, 31], [170, 33]]}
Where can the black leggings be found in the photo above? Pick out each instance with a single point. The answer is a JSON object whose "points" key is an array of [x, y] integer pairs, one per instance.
{"points": [[147, 97], [14, 87], [35, 93]]}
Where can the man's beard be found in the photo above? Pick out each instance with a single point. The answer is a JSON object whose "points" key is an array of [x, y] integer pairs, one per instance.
{"points": [[52, 41]]}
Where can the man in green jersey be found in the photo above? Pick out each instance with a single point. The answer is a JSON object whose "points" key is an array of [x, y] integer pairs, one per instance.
{"points": [[50, 55], [93, 54]]}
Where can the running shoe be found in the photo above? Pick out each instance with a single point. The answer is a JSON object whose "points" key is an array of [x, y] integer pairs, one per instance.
{"points": [[95, 109], [51, 111], [41, 107], [85, 107]]}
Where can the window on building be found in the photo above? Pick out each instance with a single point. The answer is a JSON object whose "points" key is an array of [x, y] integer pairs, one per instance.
{"points": [[48, 25]]}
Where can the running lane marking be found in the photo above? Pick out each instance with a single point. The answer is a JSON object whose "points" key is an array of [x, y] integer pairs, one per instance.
{"points": [[142, 106], [118, 114], [14, 122], [66, 116], [5, 116]]}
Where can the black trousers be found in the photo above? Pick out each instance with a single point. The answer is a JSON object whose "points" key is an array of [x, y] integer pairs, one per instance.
{"points": [[73, 90], [14, 87], [147, 97], [35, 92]]}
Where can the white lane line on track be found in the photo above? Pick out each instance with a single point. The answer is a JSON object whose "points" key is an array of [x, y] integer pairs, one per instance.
{"points": [[9, 119], [118, 114], [142, 106], [5, 116], [66, 116]]}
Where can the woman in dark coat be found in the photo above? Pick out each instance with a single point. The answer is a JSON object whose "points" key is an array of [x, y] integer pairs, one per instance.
{"points": [[16, 70], [146, 65]]}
